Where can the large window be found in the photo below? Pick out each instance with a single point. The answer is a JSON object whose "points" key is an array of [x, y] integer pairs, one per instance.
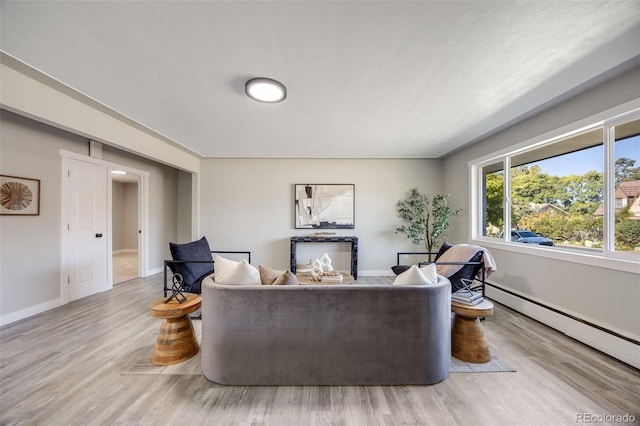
{"points": [[580, 191]]}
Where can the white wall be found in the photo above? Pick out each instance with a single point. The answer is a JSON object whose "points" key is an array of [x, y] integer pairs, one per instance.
{"points": [[30, 245], [247, 204], [603, 296]]}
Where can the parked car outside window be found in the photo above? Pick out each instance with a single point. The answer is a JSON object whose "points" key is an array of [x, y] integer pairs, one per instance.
{"points": [[528, 237]]}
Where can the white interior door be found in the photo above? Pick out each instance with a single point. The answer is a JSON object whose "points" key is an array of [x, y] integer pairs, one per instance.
{"points": [[87, 228]]}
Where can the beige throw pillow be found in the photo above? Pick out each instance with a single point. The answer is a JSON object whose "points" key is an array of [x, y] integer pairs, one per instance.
{"points": [[287, 278], [270, 276]]}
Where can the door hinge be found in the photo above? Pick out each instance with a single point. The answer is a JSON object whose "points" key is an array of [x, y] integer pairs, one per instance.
{"points": [[68, 227], [68, 280], [68, 173]]}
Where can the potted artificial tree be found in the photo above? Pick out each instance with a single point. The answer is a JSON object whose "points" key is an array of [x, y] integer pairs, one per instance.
{"points": [[426, 218]]}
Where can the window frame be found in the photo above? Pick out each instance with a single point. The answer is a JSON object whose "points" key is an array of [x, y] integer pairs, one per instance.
{"points": [[607, 258]]}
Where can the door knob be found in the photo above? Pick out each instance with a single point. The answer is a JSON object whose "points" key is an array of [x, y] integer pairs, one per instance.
{"points": [[98, 235]]}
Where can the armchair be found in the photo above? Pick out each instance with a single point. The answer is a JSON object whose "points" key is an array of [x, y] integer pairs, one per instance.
{"points": [[194, 262], [464, 265]]}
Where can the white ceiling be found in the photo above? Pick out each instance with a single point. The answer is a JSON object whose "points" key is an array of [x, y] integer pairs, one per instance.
{"points": [[365, 79]]}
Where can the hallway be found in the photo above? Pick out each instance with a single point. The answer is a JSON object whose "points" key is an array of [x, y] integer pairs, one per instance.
{"points": [[125, 267]]}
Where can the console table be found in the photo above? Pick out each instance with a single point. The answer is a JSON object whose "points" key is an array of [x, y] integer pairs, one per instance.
{"points": [[327, 239]]}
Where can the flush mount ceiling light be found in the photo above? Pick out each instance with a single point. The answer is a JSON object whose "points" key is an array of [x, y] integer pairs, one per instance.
{"points": [[118, 172], [265, 90]]}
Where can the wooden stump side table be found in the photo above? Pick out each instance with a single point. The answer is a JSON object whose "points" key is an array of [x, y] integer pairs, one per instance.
{"points": [[176, 340], [467, 337]]}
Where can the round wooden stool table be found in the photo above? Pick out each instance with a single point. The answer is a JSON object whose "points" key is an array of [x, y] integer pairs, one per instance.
{"points": [[176, 340], [467, 337]]}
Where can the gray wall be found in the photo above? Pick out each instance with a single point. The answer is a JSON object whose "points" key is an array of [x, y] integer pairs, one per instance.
{"points": [[30, 245], [247, 204], [117, 216], [124, 216], [130, 216], [606, 296], [186, 198], [163, 202]]}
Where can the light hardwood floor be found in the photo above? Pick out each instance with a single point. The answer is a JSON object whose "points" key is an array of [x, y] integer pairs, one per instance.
{"points": [[125, 267], [66, 366]]}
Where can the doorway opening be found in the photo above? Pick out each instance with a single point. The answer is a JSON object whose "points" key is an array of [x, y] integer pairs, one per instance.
{"points": [[125, 226]]}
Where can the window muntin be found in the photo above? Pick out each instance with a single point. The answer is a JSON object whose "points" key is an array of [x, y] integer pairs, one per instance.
{"points": [[626, 195]]}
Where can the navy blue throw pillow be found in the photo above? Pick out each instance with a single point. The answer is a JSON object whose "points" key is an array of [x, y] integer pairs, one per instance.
{"points": [[444, 247], [398, 269], [192, 273], [467, 271]]}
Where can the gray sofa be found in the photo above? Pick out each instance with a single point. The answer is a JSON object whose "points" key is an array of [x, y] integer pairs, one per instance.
{"points": [[326, 334]]}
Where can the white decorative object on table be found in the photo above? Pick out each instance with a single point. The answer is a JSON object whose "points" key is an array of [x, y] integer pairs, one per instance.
{"points": [[325, 260]]}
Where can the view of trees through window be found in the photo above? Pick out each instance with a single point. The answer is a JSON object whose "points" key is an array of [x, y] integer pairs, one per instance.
{"points": [[557, 191]]}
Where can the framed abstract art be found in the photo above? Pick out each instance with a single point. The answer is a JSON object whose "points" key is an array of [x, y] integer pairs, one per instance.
{"points": [[324, 206]]}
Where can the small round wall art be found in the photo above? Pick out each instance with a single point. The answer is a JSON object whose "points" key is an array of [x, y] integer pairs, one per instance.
{"points": [[19, 196]]}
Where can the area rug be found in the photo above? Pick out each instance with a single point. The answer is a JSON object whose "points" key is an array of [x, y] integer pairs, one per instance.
{"points": [[496, 365], [142, 366], [139, 363]]}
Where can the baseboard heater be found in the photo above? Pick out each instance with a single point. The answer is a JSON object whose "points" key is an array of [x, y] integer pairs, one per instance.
{"points": [[628, 350]]}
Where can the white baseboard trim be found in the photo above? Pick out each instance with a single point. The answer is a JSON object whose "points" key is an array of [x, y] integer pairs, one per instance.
{"points": [[382, 273], [617, 347], [28, 312], [125, 251], [154, 271]]}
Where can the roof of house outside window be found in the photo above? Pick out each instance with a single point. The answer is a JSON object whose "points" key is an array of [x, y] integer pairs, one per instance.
{"points": [[630, 190]]}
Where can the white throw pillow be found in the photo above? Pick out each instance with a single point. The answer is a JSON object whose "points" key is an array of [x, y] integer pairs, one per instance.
{"points": [[242, 274], [412, 276], [430, 271], [222, 267]]}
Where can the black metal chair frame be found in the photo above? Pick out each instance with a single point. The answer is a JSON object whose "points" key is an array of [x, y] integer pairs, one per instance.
{"points": [[176, 262], [475, 284]]}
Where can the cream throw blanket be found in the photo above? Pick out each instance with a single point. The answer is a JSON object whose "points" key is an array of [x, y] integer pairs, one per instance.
{"points": [[462, 253]]}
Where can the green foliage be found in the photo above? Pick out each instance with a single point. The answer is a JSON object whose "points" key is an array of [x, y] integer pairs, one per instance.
{"points": [[412, 210], [627, 234], [626, 171], [577, 195], [494, 190], [582, 194], [426, 218], [561, 228]]}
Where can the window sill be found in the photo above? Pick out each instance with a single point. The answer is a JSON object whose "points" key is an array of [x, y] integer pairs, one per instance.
{"points": [[565, 254]]}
